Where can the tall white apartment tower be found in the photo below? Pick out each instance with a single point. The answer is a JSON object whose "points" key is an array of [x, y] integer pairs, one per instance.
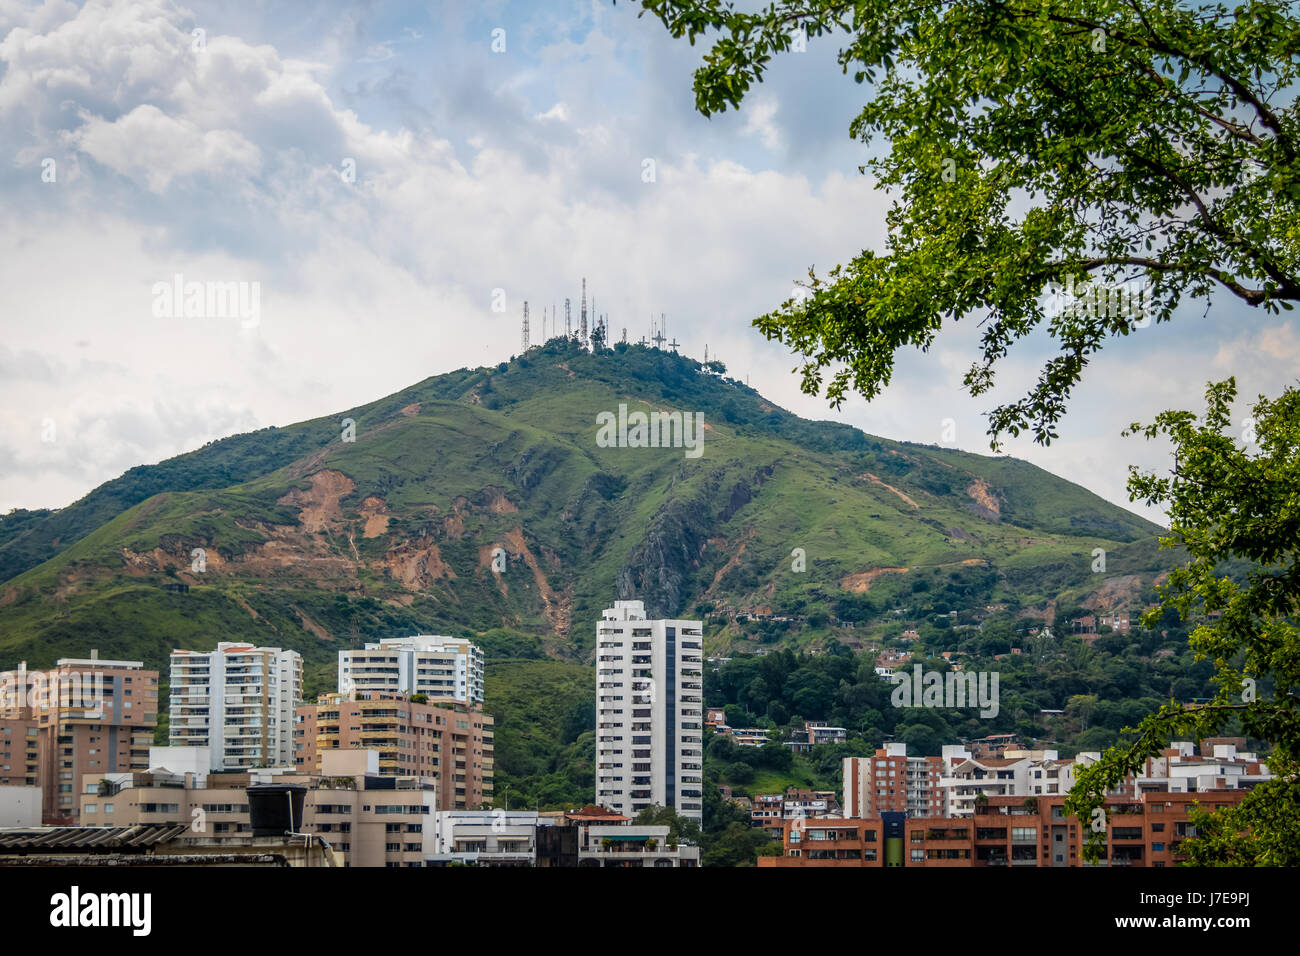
{"points": [[649, 712], [444, 668], [239, 701]]}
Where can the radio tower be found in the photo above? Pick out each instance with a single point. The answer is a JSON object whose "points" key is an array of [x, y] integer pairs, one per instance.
{"points": [[523, 336], [568, 321], [582, 333], [659, 336]]}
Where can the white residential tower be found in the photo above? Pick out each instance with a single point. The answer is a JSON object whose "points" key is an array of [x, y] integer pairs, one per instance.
{"points": [[649, 712], [239, 702], [443, 668]]}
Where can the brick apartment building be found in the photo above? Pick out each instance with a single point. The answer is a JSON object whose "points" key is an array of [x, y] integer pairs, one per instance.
{"points": [[447, 741], [86, 716], [891, 781], [1007, 831]]}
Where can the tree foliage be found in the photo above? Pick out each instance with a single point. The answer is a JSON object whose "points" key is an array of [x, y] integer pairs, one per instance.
{"points": [[1229, 500], [1035, 147]]}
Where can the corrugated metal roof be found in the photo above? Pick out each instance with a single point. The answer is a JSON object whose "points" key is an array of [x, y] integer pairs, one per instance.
{"points": [[79, 839]]}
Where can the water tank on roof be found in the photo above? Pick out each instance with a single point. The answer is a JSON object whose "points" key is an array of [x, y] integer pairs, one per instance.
{"points": [[275, 809]]}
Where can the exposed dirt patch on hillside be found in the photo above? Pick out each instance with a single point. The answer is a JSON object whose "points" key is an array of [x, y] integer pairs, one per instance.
{"points": [[142, 563], [731, 562], [417, 564], [486, 555], [870, 477], [290, 554], [555, 616], [410, 411], [318, 507], [560, 615], [10, 595], [498, 503], [986, 499], [309, 625], [565, 366], [861, 581], [374, 510], [1118, 592]]}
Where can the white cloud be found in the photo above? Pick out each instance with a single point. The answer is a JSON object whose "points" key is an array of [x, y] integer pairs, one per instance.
{"points": [[150, 146], [760, 116]]}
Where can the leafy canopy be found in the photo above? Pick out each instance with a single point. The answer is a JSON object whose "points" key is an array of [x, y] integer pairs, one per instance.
{"points": [[1074, 166], [1229, 501]]}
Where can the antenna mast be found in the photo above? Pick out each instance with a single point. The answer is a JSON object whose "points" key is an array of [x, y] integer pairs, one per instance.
{"points": [[659, 336], [568, 321], [582, 332], [523, 336]]}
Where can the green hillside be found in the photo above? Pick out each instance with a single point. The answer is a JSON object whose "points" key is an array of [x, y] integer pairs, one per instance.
{"points": [[314, 542]]}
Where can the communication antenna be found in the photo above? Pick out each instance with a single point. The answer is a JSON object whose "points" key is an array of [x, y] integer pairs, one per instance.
{"points": [[582, 329], [523, 337], [568, 320]]}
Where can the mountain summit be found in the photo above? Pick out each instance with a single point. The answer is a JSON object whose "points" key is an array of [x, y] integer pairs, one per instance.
{"points": [[482, 502]]}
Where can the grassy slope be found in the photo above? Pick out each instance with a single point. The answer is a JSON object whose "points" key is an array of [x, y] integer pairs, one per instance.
{"points": [[587, 515]]}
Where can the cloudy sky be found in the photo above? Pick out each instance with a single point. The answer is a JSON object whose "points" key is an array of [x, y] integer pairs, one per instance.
{"points": [[379, 170]]}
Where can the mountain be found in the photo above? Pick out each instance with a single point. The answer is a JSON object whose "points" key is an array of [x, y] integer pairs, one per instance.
{"points": [[317, 538]]}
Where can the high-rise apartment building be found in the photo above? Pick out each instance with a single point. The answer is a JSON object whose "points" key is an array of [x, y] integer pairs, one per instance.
{"points": [[239, 702], [649, 712], [89, 715], [891, 781], [449, 742], [441, 668]]}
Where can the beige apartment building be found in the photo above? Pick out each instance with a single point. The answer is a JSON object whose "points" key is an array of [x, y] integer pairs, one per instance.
{"points": [[449, 742], [91, 716], [20, 752], [369, 818]]}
